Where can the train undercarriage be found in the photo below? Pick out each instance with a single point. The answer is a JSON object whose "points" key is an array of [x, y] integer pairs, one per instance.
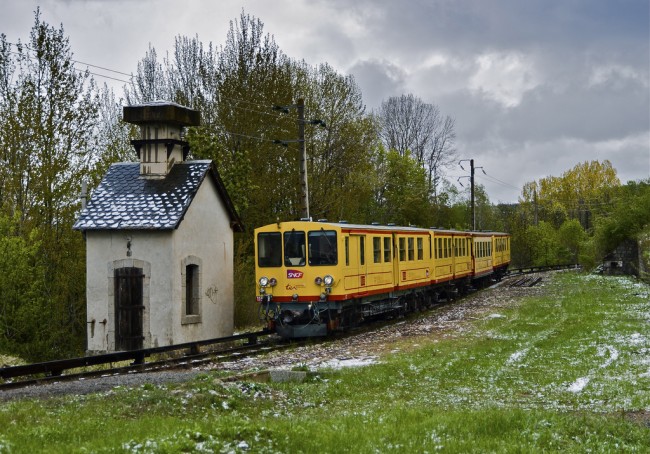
{"points": [[320, 318]]}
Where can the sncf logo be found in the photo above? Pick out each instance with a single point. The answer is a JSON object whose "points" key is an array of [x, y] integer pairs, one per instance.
{"points": [[294, 274]]}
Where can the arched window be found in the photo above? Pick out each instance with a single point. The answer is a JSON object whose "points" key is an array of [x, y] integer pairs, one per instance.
{"points": [[191, 291]]}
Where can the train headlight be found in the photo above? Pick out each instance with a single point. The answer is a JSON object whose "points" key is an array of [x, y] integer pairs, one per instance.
{"points": [[328, 280], [318, 280], [273, 282], [264, 281]]}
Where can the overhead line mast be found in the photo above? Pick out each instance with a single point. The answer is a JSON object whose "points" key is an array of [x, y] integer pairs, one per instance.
{"points": [[471, 180], [300, 107]]}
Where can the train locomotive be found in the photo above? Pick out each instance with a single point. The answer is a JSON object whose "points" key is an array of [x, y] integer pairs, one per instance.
{"points": [[314, 278]]}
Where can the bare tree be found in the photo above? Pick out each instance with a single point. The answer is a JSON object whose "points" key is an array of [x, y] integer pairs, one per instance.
{"points": [[409, 124]]}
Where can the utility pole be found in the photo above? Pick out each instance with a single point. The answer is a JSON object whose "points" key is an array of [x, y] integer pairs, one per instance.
{"points": [[535, 202], [300, 106], [471, 180]]}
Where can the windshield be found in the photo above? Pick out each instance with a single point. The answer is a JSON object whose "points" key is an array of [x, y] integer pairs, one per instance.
{"points": [[322, 248], [294, 248], [269, 249]]}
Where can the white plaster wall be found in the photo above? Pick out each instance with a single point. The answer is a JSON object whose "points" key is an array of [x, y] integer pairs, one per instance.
{"points": [[205, 233], [150, 250]]}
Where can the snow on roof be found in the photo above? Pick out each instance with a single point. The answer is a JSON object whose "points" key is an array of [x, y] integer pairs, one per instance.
{"points": [[125, 200]]}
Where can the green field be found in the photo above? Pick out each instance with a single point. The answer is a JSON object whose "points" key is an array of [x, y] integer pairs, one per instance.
{"points": [[569, 372]]}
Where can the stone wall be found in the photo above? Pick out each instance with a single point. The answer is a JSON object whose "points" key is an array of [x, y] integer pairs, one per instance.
{"points": [[624, 260]]}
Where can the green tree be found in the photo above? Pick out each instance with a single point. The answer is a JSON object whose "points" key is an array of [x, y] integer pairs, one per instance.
{"points": [[47, 135], [21, 287], [341, 154], [629, 217], [402, 197], [580, 193], [543, 243], [571, 236]]}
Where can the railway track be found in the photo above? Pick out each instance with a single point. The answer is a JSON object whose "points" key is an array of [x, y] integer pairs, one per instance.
{"points": [[540, 269], [183, 355]]}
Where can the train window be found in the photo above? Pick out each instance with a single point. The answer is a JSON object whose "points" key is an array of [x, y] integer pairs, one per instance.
{"points": [[376, 249], [387, 251], [420, 249], [402, 249], [294, 248], [269, 249], [411, 249], [322, 247], [439, 256], [347, 251]]}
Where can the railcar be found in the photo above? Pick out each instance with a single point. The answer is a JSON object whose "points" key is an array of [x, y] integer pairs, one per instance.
{"points": [[317, 277]]}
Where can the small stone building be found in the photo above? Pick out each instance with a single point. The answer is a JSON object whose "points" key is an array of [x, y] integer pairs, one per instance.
{"points": [[159, 240], [623, 260]]}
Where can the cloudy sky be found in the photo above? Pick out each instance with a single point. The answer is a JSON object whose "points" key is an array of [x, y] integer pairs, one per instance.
{"points": [[535, 86]]}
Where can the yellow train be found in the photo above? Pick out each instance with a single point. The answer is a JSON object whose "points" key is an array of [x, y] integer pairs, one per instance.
{"points": [[317, 277]]}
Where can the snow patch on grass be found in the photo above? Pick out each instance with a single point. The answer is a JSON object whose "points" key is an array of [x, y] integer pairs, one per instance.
{"points": [[336, 363], [517, 356], [578, 385]]}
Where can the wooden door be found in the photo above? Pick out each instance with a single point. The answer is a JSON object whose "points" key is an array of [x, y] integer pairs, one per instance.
{"points": [[129, 308]]}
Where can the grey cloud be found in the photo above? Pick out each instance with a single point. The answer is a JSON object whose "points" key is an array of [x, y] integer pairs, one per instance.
{"points": [[379, 80]]}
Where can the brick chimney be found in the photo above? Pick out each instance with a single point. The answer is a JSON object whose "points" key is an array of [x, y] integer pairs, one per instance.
{"points": [[160, 144]]}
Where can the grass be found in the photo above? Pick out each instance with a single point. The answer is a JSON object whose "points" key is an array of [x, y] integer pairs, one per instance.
{"points": [[568, 372]]}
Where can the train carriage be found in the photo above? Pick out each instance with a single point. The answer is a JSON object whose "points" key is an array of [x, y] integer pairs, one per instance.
{"points": [[482, 252], [316, 277], [501, 248]]}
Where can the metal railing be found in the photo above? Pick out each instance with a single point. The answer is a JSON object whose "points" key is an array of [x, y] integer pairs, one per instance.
{"points": [[57, 367]]}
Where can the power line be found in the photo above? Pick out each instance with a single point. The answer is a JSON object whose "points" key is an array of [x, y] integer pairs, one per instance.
{"points": [[103, 68], [81, 70], [492, 179], [131, 76]]}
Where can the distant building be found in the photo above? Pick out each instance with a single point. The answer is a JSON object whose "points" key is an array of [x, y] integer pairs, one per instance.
{"points": [[159, 237], [625, 259]]}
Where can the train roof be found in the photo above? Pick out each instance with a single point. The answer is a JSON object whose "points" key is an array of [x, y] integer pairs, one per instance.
{"points": [[386, 227]]}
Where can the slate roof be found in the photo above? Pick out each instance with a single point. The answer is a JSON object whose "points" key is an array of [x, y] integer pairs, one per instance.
{"points": [[124, 200]]}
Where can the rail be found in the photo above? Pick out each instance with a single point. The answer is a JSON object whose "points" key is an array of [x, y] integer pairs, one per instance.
{"points": [[539, 269], [57, 367]]}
